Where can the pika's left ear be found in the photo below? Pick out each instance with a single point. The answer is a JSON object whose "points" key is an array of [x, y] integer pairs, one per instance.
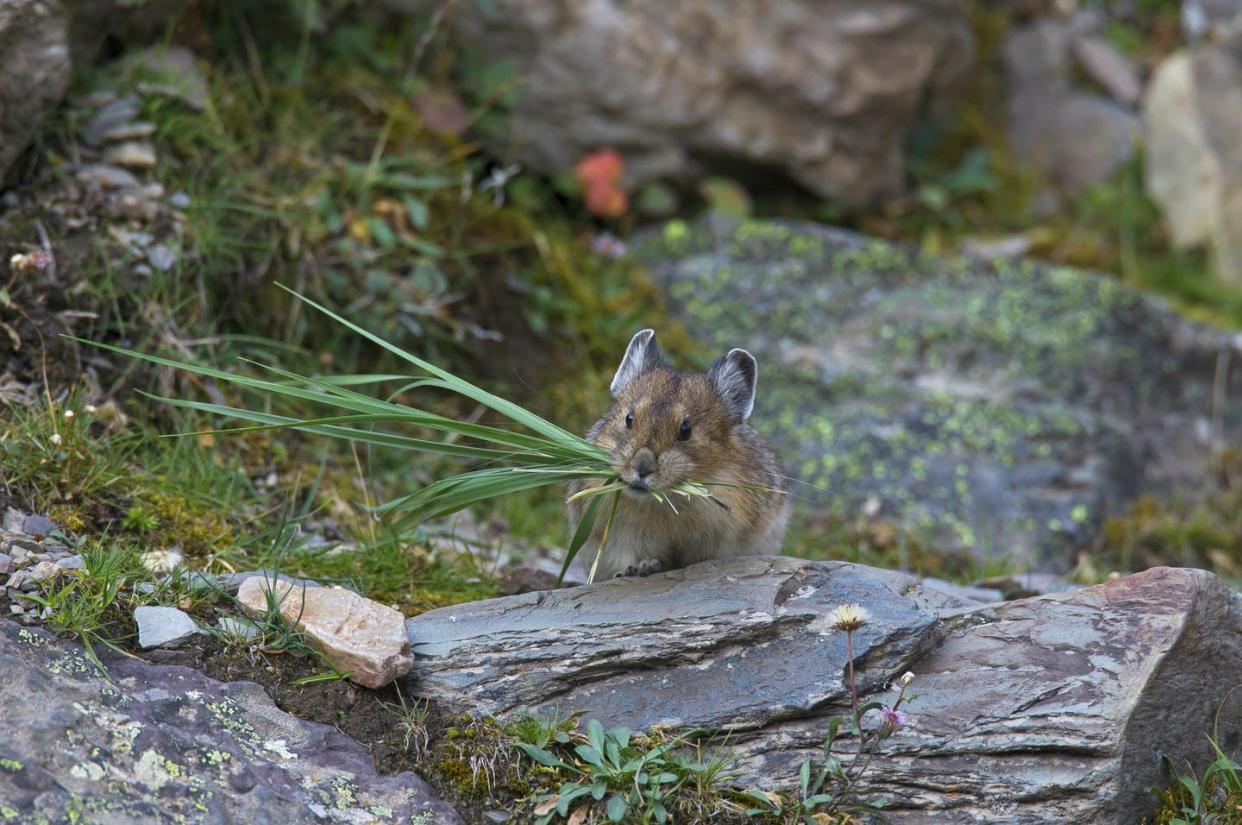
{"points": [[734, 376]]}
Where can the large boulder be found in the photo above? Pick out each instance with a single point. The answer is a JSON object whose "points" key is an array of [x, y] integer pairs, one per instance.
{"points": [[1047, 709], [1003, 407], [34, 70], [148, 743], [1192, 117], [823, 90]]}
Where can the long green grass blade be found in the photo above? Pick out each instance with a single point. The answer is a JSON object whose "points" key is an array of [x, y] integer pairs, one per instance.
{"points": [[579, 538], [451, 382]]}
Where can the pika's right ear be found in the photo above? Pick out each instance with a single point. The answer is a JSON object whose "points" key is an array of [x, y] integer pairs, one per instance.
{"points": [[642, 354]]}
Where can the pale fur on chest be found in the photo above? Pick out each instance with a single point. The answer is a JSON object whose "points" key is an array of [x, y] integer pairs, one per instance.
{"points": [[700, 529]]}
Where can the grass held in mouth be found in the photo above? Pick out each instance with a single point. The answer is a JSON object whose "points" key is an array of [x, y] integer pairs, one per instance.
{"points": [[533, 453]]}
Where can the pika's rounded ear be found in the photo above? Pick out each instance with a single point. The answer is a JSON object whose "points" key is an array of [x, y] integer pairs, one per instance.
{"points": [[734, 377], [642, 354]]}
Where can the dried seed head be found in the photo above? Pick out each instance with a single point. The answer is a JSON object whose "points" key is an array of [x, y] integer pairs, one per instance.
{"points": [[907, 678], [56, 439], [849, 617], [68, 415]]}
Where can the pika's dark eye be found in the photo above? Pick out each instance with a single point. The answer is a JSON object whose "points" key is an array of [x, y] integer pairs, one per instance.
{"points": [[629, 420], [683, 434]]}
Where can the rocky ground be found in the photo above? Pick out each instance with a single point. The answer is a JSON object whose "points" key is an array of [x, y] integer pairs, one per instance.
{"points": [[983, 252]]}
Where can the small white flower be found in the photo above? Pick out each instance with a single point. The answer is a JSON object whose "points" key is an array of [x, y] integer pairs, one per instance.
{"points": [[907, 678], [56, 439], [161, 561], [91, 409], [68, 415], [849, 617]]}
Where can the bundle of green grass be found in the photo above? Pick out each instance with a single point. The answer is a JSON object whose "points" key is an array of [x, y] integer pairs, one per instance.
{"points": [[534, 454]]}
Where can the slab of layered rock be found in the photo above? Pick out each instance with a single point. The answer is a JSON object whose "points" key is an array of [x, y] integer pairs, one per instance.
{"points": [[1048, 709], [353, 633], [148, 743]]}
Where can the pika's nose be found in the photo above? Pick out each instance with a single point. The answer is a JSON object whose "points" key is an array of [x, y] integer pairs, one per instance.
{"points": [[643, 463]]}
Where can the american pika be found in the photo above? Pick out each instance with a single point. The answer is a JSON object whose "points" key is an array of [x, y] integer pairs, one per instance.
{"points": [[666, 427]]}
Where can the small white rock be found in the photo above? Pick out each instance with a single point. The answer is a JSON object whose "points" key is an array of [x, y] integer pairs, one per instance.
{"points": [[132, 155], [163, 627], [238, 628]]}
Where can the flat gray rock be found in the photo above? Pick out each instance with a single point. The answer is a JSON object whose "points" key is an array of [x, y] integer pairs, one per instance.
{"points": [[163, 627], [658, 634], [1048, 709], [160, 743]]}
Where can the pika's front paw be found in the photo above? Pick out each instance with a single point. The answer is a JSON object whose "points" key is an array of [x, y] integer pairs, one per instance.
{"points": [[644, 568]]}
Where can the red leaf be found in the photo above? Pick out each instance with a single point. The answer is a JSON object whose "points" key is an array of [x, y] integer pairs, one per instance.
{"points": [[604, 165], [600, 174]]}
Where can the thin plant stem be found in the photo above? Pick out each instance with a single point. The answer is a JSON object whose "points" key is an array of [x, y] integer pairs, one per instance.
{"points": [[849, 655]]}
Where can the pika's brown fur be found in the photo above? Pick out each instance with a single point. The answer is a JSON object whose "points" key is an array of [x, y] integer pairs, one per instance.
{"points": [[667, 427]]}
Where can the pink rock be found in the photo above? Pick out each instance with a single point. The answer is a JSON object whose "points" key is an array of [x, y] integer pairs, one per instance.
{"points": [[352, 632]]}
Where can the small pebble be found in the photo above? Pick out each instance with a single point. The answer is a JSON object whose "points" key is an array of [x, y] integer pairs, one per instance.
{"points": [[41, 572], [132, 155], [27, 544], [38, 526], [238, 628], [179, 201], [13, 520], [161, 257], [107, 177], [162, 561], [163, 627], [113, 115], [6, 564], [71, 563], [129, 131]]}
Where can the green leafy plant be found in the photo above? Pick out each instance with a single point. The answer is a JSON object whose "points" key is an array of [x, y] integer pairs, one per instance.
{"points": [[139, 519], [1213, 799], [825, 784], [88, 603], [542, 730], [632, 779], [538, 454]]}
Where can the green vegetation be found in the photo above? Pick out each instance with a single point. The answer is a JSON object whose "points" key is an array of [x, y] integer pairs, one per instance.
{"points": [[92, 603], [633, 779], [1215, 798]]}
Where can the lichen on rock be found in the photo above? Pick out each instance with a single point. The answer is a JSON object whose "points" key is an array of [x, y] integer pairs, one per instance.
{"points": [[1003, 407]]}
